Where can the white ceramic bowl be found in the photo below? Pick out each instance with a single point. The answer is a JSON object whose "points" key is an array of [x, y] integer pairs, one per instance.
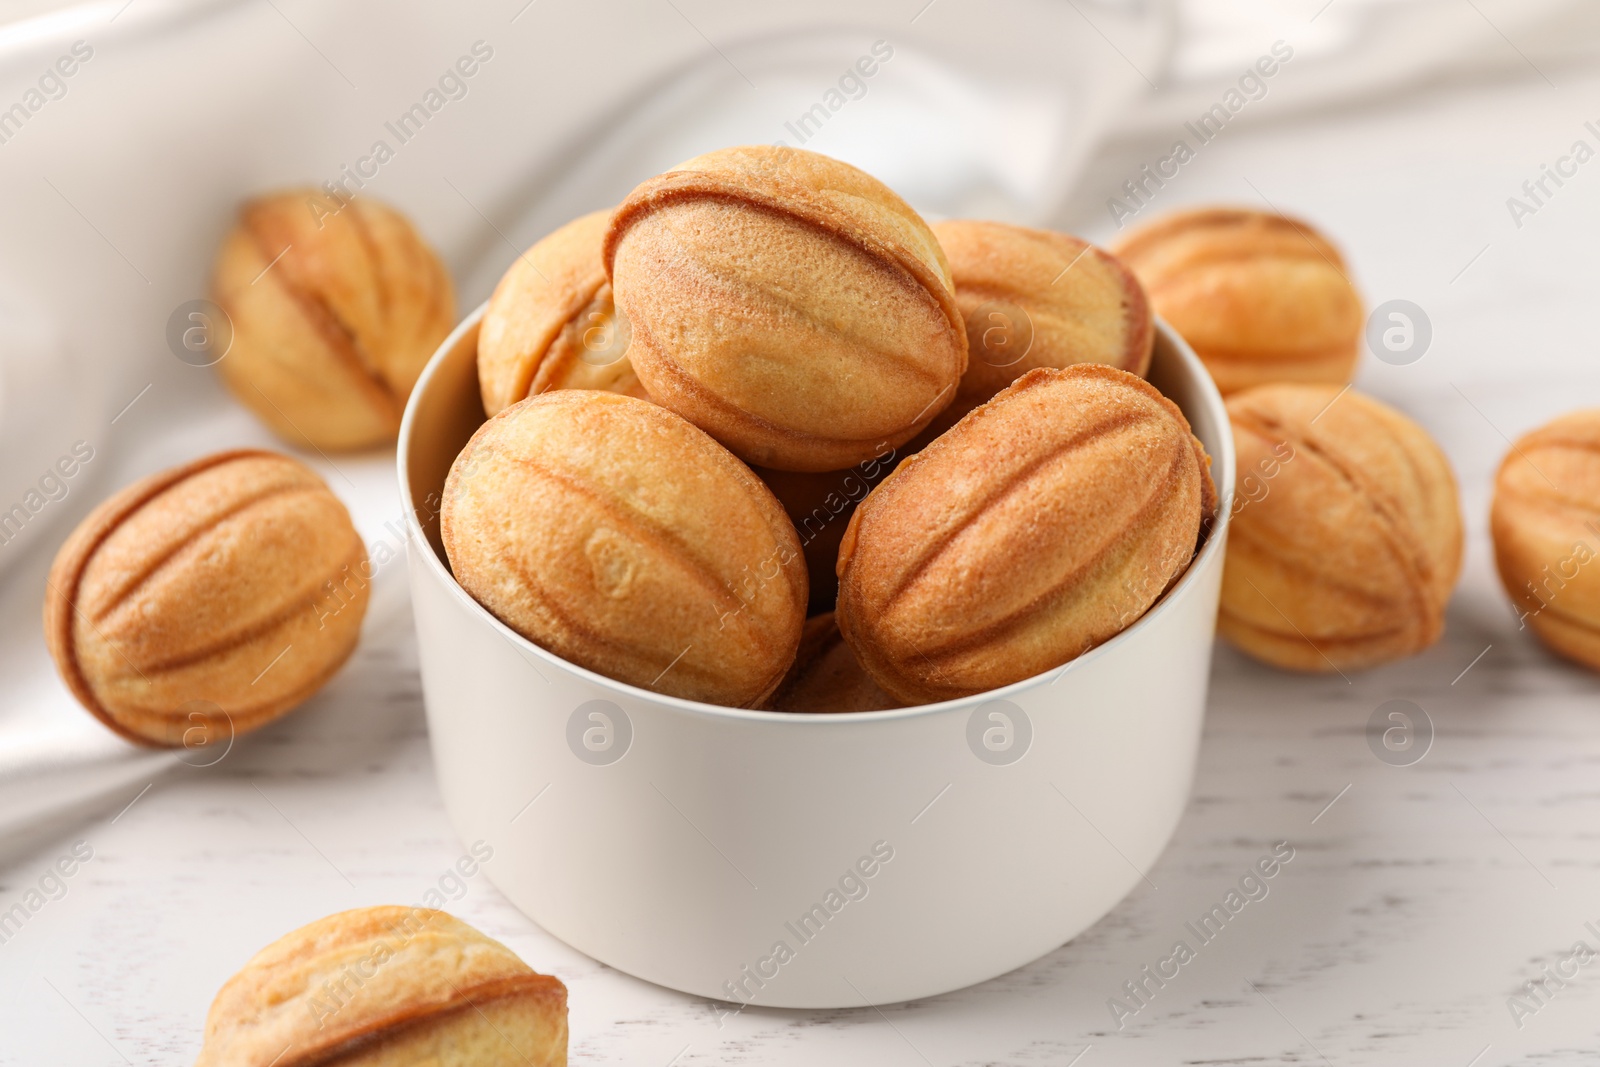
{"points": [[803, 860]]}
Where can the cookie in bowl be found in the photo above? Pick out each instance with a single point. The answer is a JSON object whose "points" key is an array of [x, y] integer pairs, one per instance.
{"points": [[618, 536], [1036, 298], [1042, 524], [783, 794], [551, 323], [788, 304]]}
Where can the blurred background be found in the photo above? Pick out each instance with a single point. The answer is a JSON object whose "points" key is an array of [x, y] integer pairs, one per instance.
{"points": [[1408, 130]]}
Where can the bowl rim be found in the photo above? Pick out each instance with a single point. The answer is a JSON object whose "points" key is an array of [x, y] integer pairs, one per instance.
{"points": [[1222, 468]]}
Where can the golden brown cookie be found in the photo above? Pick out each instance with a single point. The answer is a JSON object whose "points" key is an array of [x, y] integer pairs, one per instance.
{"points": [[1347, 541], [335, 310], [387, 987], [1040, 525], [208, 599], [1260, 297], [615, 534], [788, 304], [551, 323], [1546, 527], [1036, 298]]}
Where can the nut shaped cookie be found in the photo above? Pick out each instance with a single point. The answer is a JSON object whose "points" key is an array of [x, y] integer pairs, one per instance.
{"points": [[826, 677], [209, 598], [1036, 298], [1042, 524], [618, 536], [788, 304], [335, 310], [1347, 554], [1545, 522], [1261, 298], [551, 323], [386, 986]]}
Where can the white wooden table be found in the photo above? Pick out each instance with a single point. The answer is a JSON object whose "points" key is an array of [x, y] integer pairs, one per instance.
{"points": [[1419, 900]]}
